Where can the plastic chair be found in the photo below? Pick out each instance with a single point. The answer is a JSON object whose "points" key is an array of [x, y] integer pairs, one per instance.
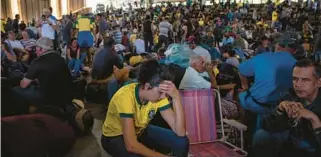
{"points": [[199, 107]]}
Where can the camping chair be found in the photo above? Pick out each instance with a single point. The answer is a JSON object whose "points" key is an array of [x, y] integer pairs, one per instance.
{"points": [[199, 108]]}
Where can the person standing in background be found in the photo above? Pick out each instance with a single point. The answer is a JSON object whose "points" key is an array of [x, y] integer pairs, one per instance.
{"points": [[85, 38], [102, 26], [15, 24], [148, 34], [48, 26], [66, 32], [164, 28]]}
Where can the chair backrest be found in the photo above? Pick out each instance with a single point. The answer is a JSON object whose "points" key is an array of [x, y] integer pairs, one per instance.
{"points": [[199, 107]]}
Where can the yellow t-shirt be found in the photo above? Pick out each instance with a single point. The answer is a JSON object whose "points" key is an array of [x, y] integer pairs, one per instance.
{"points": [[274, 16], [201, 22], [156, 37], [163, 9], [178, 15], [262, 24], [84, 24], [2, 24], [126, 104], [216, 71], [240, 4], [133, 38]]}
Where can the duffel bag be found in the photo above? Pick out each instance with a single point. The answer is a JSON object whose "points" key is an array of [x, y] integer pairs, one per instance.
{"points": [[80, 118]]}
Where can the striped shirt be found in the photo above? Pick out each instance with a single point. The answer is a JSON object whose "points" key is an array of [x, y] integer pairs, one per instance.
{"points": [[28, 43], [117, 37]]}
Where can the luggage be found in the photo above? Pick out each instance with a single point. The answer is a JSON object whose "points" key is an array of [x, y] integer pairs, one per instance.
{"points": [[35, 135], [97, 93], [79, 89], [80, 118]]}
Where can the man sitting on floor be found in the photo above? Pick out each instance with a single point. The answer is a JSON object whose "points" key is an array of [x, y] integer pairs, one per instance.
{"points": [[126, 130], [51, 73]]}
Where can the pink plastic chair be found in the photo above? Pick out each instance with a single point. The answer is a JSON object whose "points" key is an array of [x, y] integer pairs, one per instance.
{"points": [[199, 107]]}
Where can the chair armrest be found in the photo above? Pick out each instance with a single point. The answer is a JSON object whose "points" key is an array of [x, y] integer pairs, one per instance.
{"points": [[235, 124]]}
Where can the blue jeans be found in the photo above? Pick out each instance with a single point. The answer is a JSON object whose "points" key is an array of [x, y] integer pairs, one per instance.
{"points": [[112, 88], [268, 144], [153, 137], [248, 103], [28, 96], [75, 64]]}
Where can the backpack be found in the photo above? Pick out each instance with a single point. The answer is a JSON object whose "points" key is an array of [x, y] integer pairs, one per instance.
{"points": [[80, 118]]}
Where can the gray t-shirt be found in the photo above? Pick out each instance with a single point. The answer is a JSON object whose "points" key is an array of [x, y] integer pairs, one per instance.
{"points": [[164, 28], [103, 26]]}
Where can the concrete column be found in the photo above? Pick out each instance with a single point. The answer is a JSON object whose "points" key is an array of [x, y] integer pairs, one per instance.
{"points": [[53, 4], [14, 7], [64, 8]]}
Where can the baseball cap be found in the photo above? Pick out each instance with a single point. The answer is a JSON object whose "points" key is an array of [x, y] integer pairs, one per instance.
{"points": [[45, 43], [135, 60]]}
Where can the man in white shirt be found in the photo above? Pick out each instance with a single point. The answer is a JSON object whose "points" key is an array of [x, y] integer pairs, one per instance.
{"points": [[15, 44], [48, 25], [192, 78]]}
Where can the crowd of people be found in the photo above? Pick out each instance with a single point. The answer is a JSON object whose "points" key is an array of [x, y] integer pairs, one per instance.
{"points": [[264, 60]]}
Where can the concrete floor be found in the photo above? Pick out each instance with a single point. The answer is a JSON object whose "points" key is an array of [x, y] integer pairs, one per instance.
{"points": [[90, 146]]}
